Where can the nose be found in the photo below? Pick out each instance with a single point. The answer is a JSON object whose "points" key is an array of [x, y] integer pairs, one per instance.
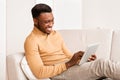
{"points": [[51, 23]]}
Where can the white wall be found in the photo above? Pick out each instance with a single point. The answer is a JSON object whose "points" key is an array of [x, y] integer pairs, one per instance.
{"points": [[2, 40], [101, 13], [19, 24], [48, 2], [68, 14]]}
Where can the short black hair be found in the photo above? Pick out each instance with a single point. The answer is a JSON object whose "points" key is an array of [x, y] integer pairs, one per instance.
{"points": [[40, 8]]}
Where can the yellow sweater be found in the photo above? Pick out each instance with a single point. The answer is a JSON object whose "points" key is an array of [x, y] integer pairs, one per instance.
{"points": [[46, 54]]}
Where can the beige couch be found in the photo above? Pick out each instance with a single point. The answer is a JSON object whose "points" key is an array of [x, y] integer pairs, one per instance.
{"points": [[75, 40]]}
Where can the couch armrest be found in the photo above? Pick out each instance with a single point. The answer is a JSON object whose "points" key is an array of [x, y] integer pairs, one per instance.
{"points": [[13, 67]]}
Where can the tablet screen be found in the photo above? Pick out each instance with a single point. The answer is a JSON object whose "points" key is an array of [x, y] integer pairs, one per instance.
{"points": [[91, 49]]}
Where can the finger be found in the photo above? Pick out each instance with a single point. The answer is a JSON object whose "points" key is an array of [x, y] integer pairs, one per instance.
{"points": [[78, 62], [94, 56], [91, 59]]}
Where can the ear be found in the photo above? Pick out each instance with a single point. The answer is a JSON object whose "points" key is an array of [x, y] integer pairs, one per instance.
{"points": [[35, 21]]}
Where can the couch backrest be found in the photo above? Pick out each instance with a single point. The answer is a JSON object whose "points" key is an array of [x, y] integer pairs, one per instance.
{"points": [[115, 50], [79, 39]]}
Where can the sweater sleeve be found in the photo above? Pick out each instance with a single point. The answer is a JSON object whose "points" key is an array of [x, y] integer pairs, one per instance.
{"points": [[36, 64]]}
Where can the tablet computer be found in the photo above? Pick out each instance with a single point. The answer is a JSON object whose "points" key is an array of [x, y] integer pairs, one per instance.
{"points": [[91, 49]]}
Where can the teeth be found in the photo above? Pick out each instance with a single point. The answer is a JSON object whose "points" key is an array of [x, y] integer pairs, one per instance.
{"points": [[49, 28]]}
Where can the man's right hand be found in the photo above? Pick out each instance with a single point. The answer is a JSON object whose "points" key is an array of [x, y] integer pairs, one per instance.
{"points": [[74, 60]]}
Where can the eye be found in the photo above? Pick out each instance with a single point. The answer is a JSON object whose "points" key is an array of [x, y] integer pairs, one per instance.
{"points": [[47, 21]]}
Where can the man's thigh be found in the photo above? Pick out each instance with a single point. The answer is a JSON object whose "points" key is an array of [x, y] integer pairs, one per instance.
{"points": [[77, 72]]}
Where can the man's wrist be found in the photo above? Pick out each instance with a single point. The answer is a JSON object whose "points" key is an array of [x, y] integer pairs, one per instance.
{"points": [[68, 65]]}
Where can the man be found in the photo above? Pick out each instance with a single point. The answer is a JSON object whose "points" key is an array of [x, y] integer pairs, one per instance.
{"points": [[48, 57]]}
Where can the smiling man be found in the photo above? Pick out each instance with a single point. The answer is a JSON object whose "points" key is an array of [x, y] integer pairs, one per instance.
{"points": [[48, 57]]}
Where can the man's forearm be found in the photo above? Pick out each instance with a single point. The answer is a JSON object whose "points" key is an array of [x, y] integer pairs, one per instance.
{"points": [[69, 64]]}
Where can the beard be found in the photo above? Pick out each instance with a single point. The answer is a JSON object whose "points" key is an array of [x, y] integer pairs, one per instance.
{"points": [[46, 30]]}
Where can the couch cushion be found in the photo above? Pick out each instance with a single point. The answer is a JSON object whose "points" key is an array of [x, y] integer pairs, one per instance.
{"points": [[26, 69], [115, 50], [79, 39]]}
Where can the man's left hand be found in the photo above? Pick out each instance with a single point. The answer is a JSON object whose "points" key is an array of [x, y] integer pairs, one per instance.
{"points": [[92, 58]]}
